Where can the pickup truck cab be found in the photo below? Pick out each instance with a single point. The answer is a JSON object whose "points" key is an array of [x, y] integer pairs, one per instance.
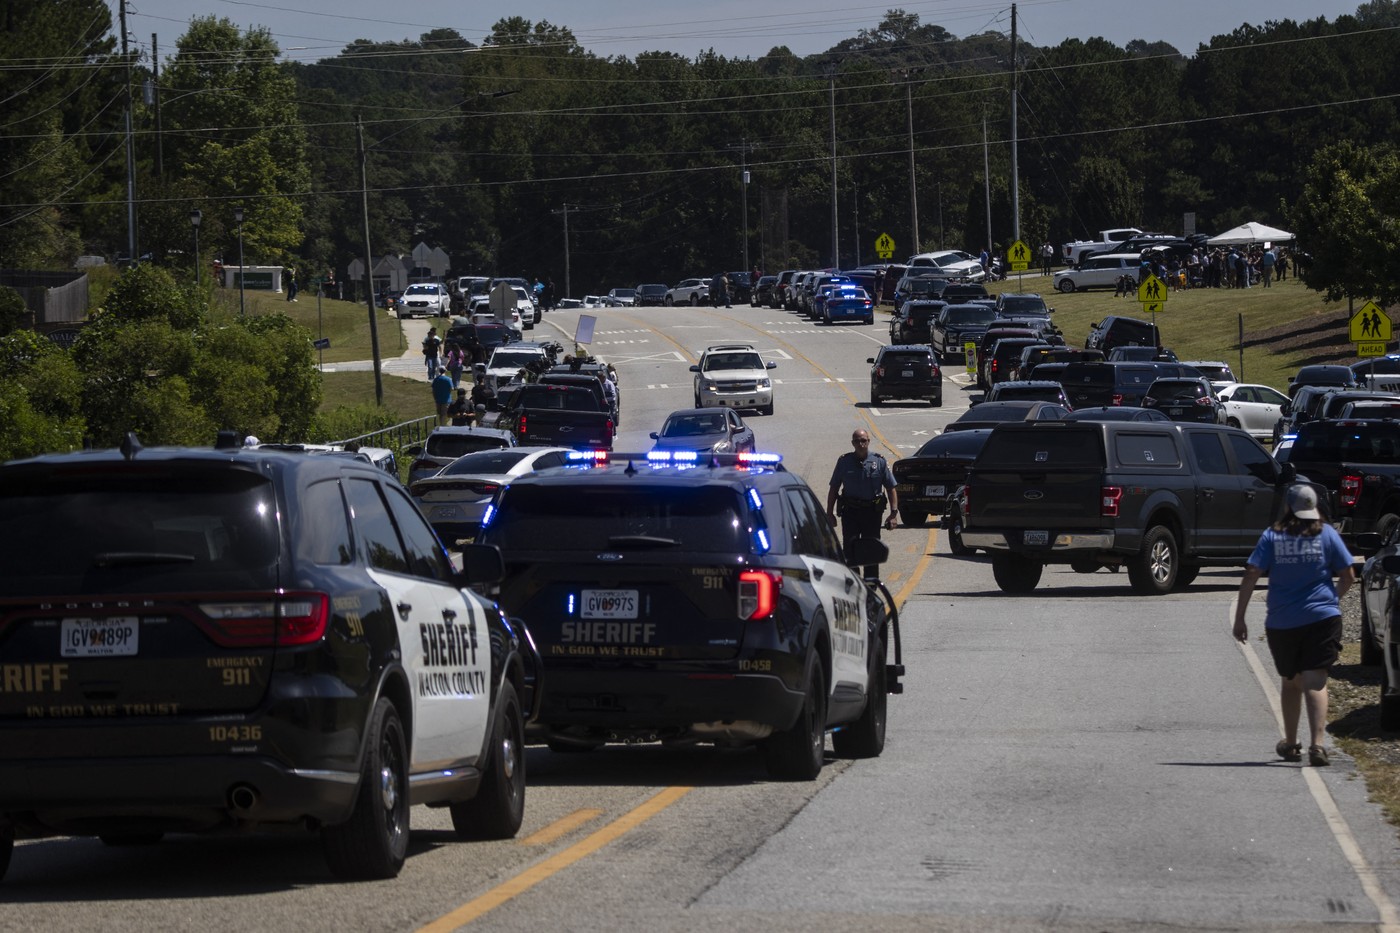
{"points": [[1358, 461], [543, 415], [1162, 500]]}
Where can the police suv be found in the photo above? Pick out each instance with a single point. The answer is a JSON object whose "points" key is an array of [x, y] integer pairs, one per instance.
{"points": [[679, 596], [232, 639]]}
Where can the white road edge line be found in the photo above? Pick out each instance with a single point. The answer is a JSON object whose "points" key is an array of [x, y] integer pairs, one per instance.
{"points": [[1341, 831]]}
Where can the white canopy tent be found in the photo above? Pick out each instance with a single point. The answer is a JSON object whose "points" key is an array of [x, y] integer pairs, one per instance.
{"points": [[1250, 233]]}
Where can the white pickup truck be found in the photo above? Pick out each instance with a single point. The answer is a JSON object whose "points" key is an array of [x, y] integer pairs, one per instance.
{"points": [[1074, 251]]}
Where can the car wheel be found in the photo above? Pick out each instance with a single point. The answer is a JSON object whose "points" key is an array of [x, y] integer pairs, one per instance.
{"points": [[1386, 523], [796, 754], [1233, 422], [694, 300], [374, 841], [1015, 573], [1371, 653], [874, 397], [952, 521], [936, 401], [865, 738], [1390, 707], [912, 516], [1152, 571], [667, 301], [499, 805], [697, 400], [767, 409], [1185, 575], [1065, 285]]}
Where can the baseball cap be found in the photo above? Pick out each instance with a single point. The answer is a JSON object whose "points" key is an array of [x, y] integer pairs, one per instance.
{"points": [[1302, 502]]}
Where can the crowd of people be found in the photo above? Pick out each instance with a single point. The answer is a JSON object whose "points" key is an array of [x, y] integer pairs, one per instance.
{"points": [[1220, 267]]}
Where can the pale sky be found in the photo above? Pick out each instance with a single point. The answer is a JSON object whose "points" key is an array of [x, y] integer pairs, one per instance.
{"points": [[308, 30]]}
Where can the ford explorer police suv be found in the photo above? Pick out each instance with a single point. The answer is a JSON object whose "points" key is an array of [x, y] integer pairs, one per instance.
{"points": [[678, 596], [229, 639]]}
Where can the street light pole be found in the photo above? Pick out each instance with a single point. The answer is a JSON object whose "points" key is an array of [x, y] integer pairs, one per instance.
{"points": [[830, 70], [238, 216], [195, 217]]}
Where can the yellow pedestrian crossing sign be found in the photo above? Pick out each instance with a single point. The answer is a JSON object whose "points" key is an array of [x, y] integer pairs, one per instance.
{"points": [[1369, 324], [884, 246], [1019, 256], [1151, 290], [1151, 307]]}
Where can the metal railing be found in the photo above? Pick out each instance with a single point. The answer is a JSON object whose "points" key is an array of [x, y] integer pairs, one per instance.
{"points": [[395, 437]]}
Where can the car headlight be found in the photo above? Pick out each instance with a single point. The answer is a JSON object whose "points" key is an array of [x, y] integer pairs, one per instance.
{"points": [[721, 447], [765, 383], [710, 386]]}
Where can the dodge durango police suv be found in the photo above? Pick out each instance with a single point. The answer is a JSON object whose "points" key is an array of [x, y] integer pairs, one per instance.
{"points": [[678, 596], [231, 639]]}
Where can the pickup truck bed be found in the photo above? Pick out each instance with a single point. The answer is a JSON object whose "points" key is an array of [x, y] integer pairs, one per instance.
{"points": [[1358, 463], [540, 414]]}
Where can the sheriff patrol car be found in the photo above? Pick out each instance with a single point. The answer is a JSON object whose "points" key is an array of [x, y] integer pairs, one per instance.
{"points": [[684, 596], [240, 638]]}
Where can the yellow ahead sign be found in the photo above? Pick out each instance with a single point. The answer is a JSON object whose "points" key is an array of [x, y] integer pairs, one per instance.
{"points": [[1152, 291], [884, 246], [1369, 324], [1019, 256]]}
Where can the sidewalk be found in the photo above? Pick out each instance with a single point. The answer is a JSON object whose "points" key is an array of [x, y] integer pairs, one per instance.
{"points": [[410, 364]]}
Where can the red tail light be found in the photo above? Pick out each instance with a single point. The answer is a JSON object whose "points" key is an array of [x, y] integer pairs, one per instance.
{"points": [[267, 620], [758, 594], [1109, 497], [880, 371], [520, 426], [1350, 490], [609, 436], [1204, 402], [1118, 398]]}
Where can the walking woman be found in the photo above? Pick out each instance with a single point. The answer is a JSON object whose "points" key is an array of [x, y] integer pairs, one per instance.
{"points": [[1303, 620]]}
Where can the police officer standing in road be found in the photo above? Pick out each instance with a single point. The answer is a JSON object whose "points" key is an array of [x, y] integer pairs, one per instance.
{"points": [[862, 484]]}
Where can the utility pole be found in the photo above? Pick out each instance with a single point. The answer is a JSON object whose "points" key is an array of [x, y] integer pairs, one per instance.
{"points": [[369, 261], [744, 150], [913, 185], [830, 70], [1015, 95], [987, 179], [568, 288], [155, 91], [130, 147]]}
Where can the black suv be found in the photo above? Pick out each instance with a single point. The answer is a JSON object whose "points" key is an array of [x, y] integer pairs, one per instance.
{"points": [[242, 638], [905, 371], [682, 604], [1114, 331], [1185, 400], [913, 321]]}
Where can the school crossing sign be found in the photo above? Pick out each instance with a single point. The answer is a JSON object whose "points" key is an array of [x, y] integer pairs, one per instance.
{"points": [[1152, 294], [1019, 256], [1370, 330], [884, 246]]}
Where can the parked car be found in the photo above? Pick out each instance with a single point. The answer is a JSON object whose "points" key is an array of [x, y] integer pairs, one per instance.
{"points": [[1136, 354], [1256, 408], [704, 430], [1322, 374], [446, 444], [1217, 371], [455, 498], [952, 262], [1380, 612], [991, 414], [1101, 271], [913, 321], [688, 292], [905, 371], [1114, 331], [621, 297], [926, 479], [1031, 390], [957, 325], [651, 295], [926, 283], [1190, 400], [762, 295], [1116, 413]]}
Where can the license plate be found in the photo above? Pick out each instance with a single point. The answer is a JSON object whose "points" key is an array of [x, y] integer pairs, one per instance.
{"points": [[1175, 411], [609, 604], [99, 638], [908, 374], [1035, 537], [933, 490], [443, 511]]}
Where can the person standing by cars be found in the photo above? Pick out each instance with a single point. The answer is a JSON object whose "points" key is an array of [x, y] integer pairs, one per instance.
{"points": [[862, 484], [1303, 622], [1047, 256], [432, 345], [442, 393]]}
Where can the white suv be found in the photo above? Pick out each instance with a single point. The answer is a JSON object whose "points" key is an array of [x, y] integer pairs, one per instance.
{"points": [[689, 292], [1101, 271], [429, 299], [733, 375]]}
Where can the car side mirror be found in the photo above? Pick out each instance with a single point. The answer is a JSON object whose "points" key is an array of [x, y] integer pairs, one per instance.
{"points": [[654, 435], [695, 369], [481, 564], [870, 359], [771, 365], [1288, 473]]}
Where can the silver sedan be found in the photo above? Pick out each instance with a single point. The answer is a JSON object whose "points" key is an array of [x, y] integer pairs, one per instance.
{"points": [[1252, 407], [454, 500]]}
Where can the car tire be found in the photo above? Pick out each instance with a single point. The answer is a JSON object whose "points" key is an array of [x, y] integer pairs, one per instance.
{"points": [[874, 397], [1065, 285], [1390, 707], [865, 738], [1016, 573], [694, 301], [952, 522], [935, 401], [1152, 571], [766, 409], [1386, 523], [1185, 575], [498, 808], [797, 753], [373, 843], [1232, 422], [912, 516], [667, 301], [1371, 653]]}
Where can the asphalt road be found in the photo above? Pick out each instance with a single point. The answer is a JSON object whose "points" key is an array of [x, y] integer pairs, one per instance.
{"points": [[1082, 759]]}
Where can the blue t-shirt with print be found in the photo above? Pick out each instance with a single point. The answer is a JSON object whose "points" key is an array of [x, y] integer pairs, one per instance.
{"points": [[1300, 571]]}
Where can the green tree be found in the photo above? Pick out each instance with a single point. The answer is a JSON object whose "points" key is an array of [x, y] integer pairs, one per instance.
{"points": [[40, 397], [1348, 218]]}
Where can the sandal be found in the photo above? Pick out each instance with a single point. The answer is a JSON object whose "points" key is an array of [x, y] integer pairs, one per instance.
{"points": [[1289, 752], [1317, 756]]}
